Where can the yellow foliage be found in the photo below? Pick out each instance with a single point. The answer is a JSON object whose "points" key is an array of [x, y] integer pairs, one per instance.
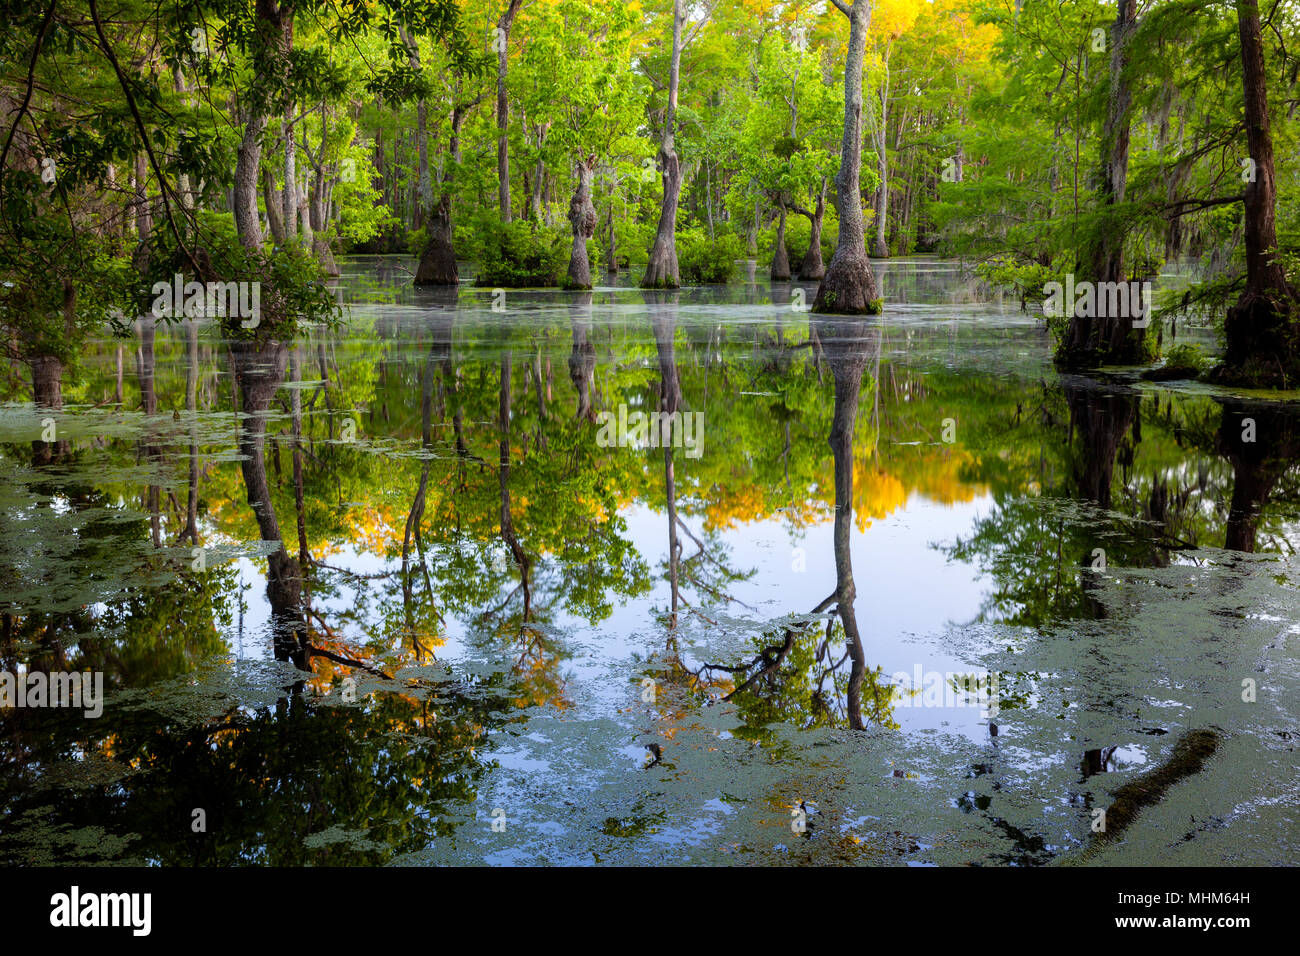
{"points": [[890, 19], [953, 27]]}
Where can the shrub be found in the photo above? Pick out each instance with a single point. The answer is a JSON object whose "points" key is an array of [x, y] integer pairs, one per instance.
{"points": [[1024, 279], [705, 261], [1182, 361], [416, 240], [521, 254]]}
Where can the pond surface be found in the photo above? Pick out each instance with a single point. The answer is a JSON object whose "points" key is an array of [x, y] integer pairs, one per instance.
{"points": [[454, 661]]}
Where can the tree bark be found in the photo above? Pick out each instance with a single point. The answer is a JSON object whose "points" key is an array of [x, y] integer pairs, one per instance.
{"points": [[503, 107], [424, 188], [611, 254], [275, 21], [880, 249], [1260, 331], [662, 271], [1095, 340], [273, 203], [849, 286], [780, 271], [320, 244], [438, 259], [47, 391], [143, 214], [47, 381], [812, 266], [535, 212], [582, 217], [290, 195]]}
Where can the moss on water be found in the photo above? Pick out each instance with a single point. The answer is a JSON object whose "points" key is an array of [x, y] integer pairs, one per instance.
{"points": [[1189, 756]]}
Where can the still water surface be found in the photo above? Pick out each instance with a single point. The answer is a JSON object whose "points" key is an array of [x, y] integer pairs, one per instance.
{"points": [[1109, 556]]}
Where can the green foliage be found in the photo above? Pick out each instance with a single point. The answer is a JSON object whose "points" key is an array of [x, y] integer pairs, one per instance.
{"points": [[519, 254], [633, 238], [363, 214], [1025, 279], [293, 288], [705, 261], [417, 239], [1181, 361], [1187, 356], [55, 290]]}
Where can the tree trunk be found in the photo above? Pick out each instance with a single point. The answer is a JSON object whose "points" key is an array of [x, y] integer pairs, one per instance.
{"points": [[1261, 334], [503, 107], [849, 286], [305, 229], [662, 271], [422, 142], [47, 391], [582, 217], [611, 254], [708, 199], [184, 185], [813, 267], [438, 259], [290, 194], [47, 381], [1096, 340], [780, 257], [273, 203], [424, 189], [320, 244], [272, 64], [535, 212], [143, 214], [880, 249]]}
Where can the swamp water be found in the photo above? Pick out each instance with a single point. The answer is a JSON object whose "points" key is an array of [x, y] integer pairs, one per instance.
{"points": [[1075, 572]]}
